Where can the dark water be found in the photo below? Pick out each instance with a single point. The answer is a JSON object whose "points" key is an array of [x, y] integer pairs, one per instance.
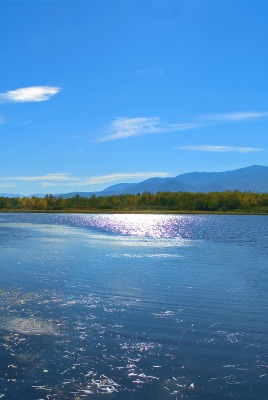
{"points": [[133, 307]]}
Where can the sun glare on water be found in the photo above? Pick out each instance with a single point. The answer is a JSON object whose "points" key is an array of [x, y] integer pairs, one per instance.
{"points": [[151, 226]]}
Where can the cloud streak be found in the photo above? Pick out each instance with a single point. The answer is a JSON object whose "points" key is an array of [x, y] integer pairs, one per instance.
{"points": [[29, 94], [58, 177], [220, 149], [7, 185], [235, 116], [122, 128], [121, 176], [64, 179]]}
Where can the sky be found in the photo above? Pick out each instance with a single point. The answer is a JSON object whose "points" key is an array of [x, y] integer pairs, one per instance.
{"points": [[93, 93]]}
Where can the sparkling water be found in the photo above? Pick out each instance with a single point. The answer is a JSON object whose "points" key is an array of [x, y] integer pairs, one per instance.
{"points": [[133, 307]]}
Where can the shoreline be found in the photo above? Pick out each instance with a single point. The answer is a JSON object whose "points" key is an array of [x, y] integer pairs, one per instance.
{"points": [[103, 211]]}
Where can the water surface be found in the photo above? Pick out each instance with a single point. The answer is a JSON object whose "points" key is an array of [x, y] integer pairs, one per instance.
{"points": [[133, 307]]}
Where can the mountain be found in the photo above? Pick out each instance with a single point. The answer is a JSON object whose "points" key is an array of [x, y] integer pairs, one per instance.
{"points": [[72, 194], [253, 178], [10, 195], [117, 188], [152, 185]]}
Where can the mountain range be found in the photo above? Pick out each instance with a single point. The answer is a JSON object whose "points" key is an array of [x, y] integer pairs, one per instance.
{"points": [[253, 178]]}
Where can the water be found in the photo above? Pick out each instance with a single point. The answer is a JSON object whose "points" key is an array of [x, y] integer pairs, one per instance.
{"points": [[133, 307]]}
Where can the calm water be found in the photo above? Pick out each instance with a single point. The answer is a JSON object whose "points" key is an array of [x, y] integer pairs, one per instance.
{"points": [[133, 307]]}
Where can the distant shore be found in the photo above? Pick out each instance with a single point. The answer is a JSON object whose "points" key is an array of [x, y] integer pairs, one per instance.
{"points": [[79, 211], [228, 202]]}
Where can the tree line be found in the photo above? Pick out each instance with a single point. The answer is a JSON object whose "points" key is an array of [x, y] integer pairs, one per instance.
{"points": [[229, 201]]}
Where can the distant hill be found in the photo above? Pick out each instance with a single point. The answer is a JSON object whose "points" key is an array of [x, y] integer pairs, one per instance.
{"points": [[72, 194], [152, 185], [253, 178], [10, 195]]}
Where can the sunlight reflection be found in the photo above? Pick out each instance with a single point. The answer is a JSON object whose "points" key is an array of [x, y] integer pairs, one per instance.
{"points": [[151, 226]]}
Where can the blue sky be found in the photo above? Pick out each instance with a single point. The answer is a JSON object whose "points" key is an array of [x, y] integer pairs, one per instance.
{"points": [[93, 93]]}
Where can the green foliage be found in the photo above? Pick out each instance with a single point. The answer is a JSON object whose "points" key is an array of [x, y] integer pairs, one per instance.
{"points": [[162, 201]]}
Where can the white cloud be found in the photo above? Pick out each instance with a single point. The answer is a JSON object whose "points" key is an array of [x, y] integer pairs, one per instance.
{"points": [[58, 177], [127, 127], [64, 179], [29, 94], [122, 128], [122, 176], [7, 185], [235, 116], [220, 148], [2, 119], [106, 179]]}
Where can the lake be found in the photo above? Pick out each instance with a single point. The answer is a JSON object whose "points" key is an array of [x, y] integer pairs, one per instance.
{"points": [[133, 307]]}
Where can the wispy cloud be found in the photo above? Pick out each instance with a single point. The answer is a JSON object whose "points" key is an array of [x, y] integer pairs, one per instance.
{"points": [[64, 179], [122, 176], [25, 122], [107, 179], [2, 120], [122, 128], [7, 185], [220, 148], [29, 94], [58, 177], [235, 116]]}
